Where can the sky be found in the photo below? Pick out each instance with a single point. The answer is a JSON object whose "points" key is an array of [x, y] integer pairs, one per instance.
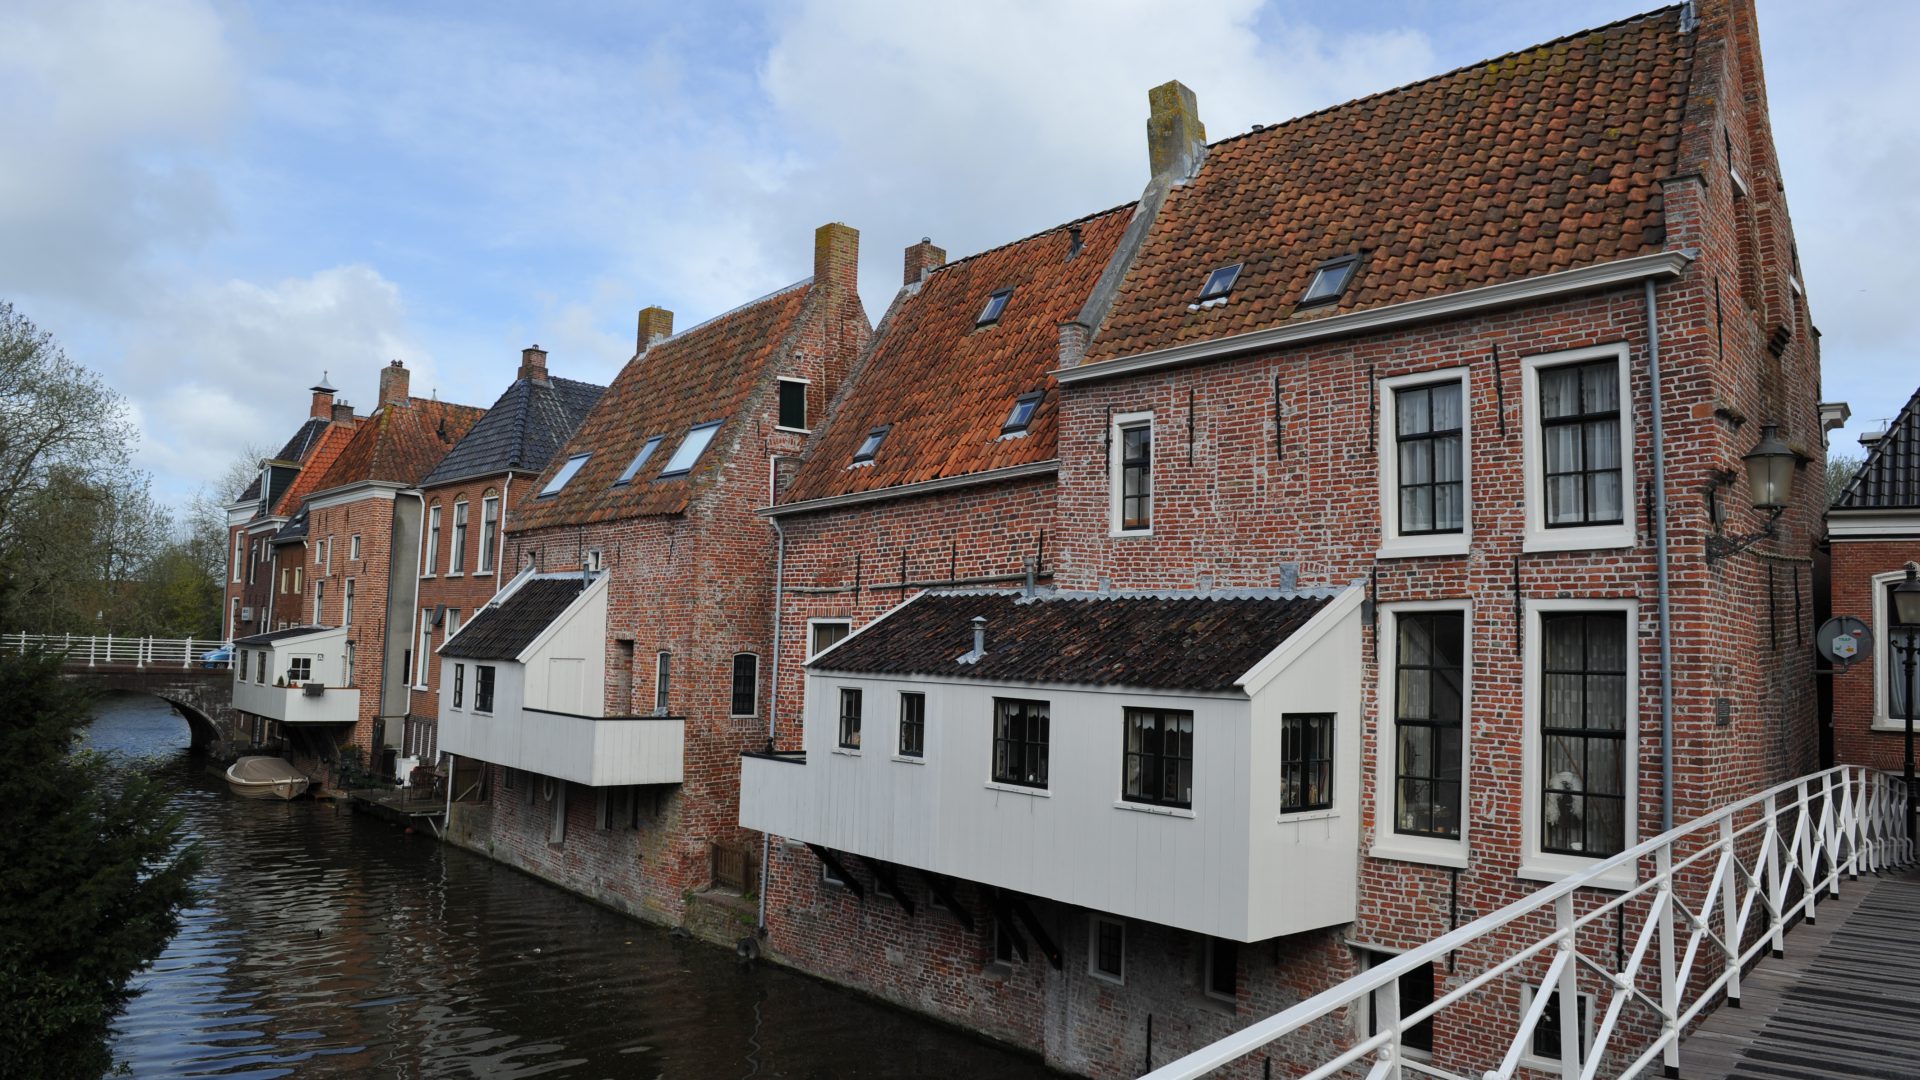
{"points": [[214, 202]]}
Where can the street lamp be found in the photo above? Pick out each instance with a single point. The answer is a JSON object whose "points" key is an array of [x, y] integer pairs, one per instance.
{"points": [[1770, 468], [1906, 616]]}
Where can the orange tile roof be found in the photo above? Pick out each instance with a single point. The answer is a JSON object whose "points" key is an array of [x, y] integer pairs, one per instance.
{"points": [[698, 375], [400, 444], [326, 450], [1540, 160], [947, 386]]}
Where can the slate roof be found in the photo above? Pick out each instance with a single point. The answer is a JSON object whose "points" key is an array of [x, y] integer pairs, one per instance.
{"points": [[303, 440], [1171, 642], [321, 455], [1540, 160], [500, 632], [698, 375], [280, 635], [521, 432], [1889, 479], [947, 386], [400, 443]]}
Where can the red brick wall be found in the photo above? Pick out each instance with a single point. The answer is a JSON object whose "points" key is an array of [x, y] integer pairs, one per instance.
{"points": [[1855, 741], [466, 592], [372, 520]]}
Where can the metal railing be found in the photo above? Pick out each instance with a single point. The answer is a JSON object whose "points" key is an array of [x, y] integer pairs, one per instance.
{"points": [[1710, 897], [109, 649]]}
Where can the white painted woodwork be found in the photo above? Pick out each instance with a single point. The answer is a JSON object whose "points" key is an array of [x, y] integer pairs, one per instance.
{"points": [[291, 704]]}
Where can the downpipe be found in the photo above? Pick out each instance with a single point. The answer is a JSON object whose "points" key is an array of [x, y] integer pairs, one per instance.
{"points": [[773, 705], [1661, 561]]}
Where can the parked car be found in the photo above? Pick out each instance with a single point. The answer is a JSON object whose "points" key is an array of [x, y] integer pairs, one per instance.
{"points": [[217, 658]]}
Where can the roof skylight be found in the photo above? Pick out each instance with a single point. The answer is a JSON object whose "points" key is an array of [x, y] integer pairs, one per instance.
{"points": [[1022, 415], [1220, 282], [871, 445], [565, 474], [1330, 279], [639, 461], [690, 449], [996, 304]]}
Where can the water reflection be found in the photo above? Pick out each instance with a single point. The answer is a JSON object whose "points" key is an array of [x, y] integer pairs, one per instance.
{"points": [[331, 945]]}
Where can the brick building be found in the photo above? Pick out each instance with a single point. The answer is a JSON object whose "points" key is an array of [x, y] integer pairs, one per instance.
{"points": [[648, 513], [1484, 352], [1873, 531]]}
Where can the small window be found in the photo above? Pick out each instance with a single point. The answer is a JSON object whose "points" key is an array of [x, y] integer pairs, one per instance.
{"points": [[1416, 993], [1107, 949], [1330, 280], [996, 304], [1134, 512], [593, 560], [566, 473], [1004, 952], [1220, 282], [346, 603], [1223, 969], [459, 685], [746, 684], [662, 672], [793, 404], [509, 779], [871, 445], [1020, 742], [827, 876], [849, 718], [639, 460], [1431, 464], [1306, 762], [1022, 415], [1158, 757], [825, 635], [1549, 1034], [299, 669], [353, 546], [690, 448], [483, 688], [913, 725]]}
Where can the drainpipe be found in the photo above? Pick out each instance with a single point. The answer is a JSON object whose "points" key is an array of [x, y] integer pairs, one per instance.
{"points": [[773, 702], [499, 535], [1661, 564]]}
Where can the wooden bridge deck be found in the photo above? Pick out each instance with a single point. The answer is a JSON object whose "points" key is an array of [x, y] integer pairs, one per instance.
{"points": [[1843, 1002]]}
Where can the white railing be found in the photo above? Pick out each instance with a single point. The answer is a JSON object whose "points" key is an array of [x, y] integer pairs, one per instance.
{"points": [[109, 649], [1712, 895]]}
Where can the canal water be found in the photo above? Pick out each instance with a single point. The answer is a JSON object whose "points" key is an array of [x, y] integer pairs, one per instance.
{"points": [[329, 944]]}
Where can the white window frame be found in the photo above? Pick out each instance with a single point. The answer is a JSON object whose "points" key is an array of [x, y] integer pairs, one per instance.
{"points": [[1535, 864], [239, 552], [450, 627], [777, 426], [811, 623], [253, 562], [1392, 544], [319, 601], [1094, 922], [329, 555], [1387, 843], [494, 670], [1363, 1018], [1583, 537], [1116, 478], [457, 551], [346, 603], [489, 533], [1885, 664], [432, 561], [424, 649], [662, 682], [1551, 1066], [353, 548], [593, 560]]}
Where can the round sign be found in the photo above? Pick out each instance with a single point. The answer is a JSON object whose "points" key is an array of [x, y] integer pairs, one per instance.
{"points": [[1844, 639]]}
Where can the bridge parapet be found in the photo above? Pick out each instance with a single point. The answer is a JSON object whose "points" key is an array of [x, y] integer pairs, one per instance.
{"points": [[174, 670]]}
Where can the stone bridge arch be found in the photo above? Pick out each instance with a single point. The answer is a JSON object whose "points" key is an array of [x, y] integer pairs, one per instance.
{"points": [[203, 696]]}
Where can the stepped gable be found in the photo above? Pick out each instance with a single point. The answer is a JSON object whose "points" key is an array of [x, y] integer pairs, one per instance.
{"points": [[1541, 160]]}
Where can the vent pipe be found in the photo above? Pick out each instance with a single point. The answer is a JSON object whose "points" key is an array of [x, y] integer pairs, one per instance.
{"points": [[979, 636]]}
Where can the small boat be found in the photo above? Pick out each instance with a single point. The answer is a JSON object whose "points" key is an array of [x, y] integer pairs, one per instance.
{"points": [[266, 778]]}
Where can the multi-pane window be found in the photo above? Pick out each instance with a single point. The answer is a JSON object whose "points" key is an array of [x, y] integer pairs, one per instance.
{"points": [[1136, 476], [1157, 764], [913, 725], [662, 672], [457, 558], [433, 540], [1895, 669], [1549, 1033], [253, 562], [1583, 726], [459, 685], [746, 684], [483, 688], [239, 554], [346, 603], [1431, 469], [1306, 762], [1020, 734], [489, 531], [1107, 952], [1429, 665], [825, 635], [1580, 443], [850, 705], [793, 404], [424, 657], [299, 669]]}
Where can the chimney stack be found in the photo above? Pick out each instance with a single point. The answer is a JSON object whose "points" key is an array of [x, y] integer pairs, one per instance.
{"points": [[342, 413], [656, 323], [836, 258], [923, 258], [1176, 140], [533, 363], [393, 383], [1074, 335], [322, 407]]}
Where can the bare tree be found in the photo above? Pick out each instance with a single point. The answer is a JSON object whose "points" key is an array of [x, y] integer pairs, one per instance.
{"points": [[1840, 470], [53, 413]]}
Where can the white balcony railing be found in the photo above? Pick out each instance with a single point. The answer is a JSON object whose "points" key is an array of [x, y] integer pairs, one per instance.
{"points": [[95, 650], [1713, 895]]}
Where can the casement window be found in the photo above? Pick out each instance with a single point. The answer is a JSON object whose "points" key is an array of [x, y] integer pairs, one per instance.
{"points": [[1157, 757], [286, 580], [1107, 948], [1130, 466], [483, 688], [299, 580], [299, 669], [662, 674], [566, 472], [639, 461], [253, 561], [1020, 742], [850, 705], [824, 634], [346, 602], [1549, 1033], [432, 561], [1425, 488], [452, 627], [913, 725], [1220, 282], [263, 658], [995, 307], [1578, 450], [870, 445], [1222, 975], [687, 454], [457, 556], [793, 404], [1415, 993], [746, 685], [1583, 725], [459, 685], [1890, 703], [1021, 418], [1330, 279], [424, 655], [489, 532], [346, 666], [319, 600], [239, 554], [1428, 698], [353, 548], [1306, 762], [329, 556]]}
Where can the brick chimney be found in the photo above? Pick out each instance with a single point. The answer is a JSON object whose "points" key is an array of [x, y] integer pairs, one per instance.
{"points": [[393, 383], [342, 413], [655, 323], [923, 258], [322, 407], [533, 363], [1074, 336], [1176, 140], [836, 258]]}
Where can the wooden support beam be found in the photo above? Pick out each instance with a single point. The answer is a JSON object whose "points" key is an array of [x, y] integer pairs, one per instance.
{"points": [[883, 873], [1003, 917], [839, 870], [942, 889], [1039, 932]]}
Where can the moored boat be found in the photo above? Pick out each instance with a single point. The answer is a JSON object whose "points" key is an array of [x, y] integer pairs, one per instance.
{"points": [[266, 778]]}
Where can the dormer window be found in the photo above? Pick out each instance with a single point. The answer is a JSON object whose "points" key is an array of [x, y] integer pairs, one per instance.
{"points": [[996, 304], [1220, 282], [1329, 280], [690, 449], [574, 465], [871, 445], [1023, 409], [639, 461]]}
